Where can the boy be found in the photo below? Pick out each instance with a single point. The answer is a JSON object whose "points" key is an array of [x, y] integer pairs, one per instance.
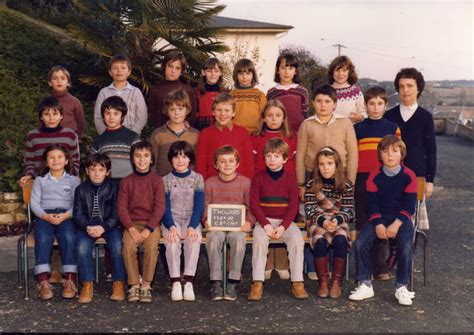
{"points": [[274, 203], [228, 187], [224, 132], [141, 205], [95, 215], [120, 69], [177, 107], [117, 139], [391, 199], [172, 68], [50, 114]]}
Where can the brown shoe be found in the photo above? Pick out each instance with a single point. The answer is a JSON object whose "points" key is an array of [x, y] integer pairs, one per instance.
{"points": [[383, 276], [87, 292], [256, 291], [69, 290], [338, 269], [118, 291], [56, 278], [45, 290], [297, 288], [321, 265]]}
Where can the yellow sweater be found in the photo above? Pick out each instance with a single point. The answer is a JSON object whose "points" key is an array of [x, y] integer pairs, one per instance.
{"points": [[249, 104]]}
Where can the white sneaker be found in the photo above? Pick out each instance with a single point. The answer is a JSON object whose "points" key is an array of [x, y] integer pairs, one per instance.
{"points": [[189, 292], [312, 276], [268, 274], [404, 296], [362, 292], [284, 274], [177, 292]]}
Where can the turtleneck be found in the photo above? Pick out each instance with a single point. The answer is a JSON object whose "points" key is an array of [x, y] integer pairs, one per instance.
{"points": [[392, 172], [58, 94], [212, 88], [240, 87], [45, 129], [330, 181], [141, 174], [181, 174], [265, 127], [275, 175]]}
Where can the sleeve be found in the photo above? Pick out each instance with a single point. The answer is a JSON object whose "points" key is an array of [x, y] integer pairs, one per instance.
{"points": [[76, 156], [315, 216], [36, 194], [122, 205], [430, 148], [112, 221], [304, 102], [302, 146], [155, 143], [74, 184], [98, 121], [168, 220], [346, 212], [141, 111], [255, 201], [208, 200], [293, 203], [194, 106], [79, 213], [247, 158], [360, 105], [152, 107], [352, 152], [80, 120], [262, 102], [27, 158], [159, 205], [202, 154], [372, 200], [408, 202], [248, 213], [199, 202]]}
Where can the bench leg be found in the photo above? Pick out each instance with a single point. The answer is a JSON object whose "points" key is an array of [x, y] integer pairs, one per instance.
{"points": [[224, 265], [20, 260], [25, 267], [96, 263]]}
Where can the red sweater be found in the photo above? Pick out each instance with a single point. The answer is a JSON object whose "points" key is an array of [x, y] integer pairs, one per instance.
{"points": [[259, 142], [73, 113], [211, 138], [141, 198], [275, 199]]}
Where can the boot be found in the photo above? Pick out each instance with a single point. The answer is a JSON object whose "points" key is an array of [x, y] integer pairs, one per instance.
{"points": [[321, 265], [87, 292], [338, 269], [256, 291], [297, 288], [118, 291]]}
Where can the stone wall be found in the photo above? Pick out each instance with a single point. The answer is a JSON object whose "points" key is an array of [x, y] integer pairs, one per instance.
{"points": [[12, 210]]}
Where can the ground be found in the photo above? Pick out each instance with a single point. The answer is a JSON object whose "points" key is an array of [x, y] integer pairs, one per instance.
{"points": [[444, 305]]}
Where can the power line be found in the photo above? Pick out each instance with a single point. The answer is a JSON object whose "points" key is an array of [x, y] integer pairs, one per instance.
{"points": [[339, 46]]}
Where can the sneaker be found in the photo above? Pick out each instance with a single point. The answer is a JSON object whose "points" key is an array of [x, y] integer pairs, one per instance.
{"points": [[145, 294], [404, 296], [231, 292], [284, 274], [45, 290], [176, 292], [133, 294], [312, 276], [362, 292], [268, 274], [108, 277], [217, 293], [189, 292]]}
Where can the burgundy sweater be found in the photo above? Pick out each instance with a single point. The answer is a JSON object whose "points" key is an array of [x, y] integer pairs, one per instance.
{"points": [[73, 112]]}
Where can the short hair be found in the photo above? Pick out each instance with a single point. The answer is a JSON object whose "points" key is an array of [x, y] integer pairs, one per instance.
{"points": [[223, 97], [337, 63], [48, 103], [99, 159], [277, 145], [116, 103], [326, 89], [142, 145], [290, 60], [285, 128], [171, 57], [226, 150], [375, 92], [57, 146], [58, 68], [178, 97], [391, 141], [120, 58], [245, 65], [181, 148], [339, 177], [410, 73]]}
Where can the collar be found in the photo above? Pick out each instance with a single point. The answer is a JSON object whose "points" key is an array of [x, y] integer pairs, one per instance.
{"points": [[181, 174], [45, 129], [229, 126], [391, 172], [50, 176], [186, 127], [57, 94], [286, 87], [141, 174], [412, 108], [275, 175], [212, 88], [127, 87], [227, 181], [331, 121], [238, 86], [114, 130]]}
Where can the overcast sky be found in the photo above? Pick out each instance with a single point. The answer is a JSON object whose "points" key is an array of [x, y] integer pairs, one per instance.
{"points": [[381, 36]]}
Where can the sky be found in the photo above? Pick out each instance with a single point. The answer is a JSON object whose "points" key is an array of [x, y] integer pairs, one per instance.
{"points": [[381, 37]]}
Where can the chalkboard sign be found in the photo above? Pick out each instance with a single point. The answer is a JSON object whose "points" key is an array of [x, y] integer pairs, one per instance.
{"points": [[225, 217]]}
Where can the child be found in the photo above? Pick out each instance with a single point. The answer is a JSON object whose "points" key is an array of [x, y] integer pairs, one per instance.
{"points": [[228, 187], [274, 203], [141, 205], [223, 132], [350, 101], [95, 215], [249, 101], [172, 69], [59, 79], [50, 113], [293, 95], [117, 139], [211, 84], [329, 207], [52, 200], [391, 199], [120, 69], [177, 107], [184, 190]]}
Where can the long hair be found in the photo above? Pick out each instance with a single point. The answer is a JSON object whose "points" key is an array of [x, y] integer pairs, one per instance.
{"points": [[210, 64], [339, 177], [285, 128]]}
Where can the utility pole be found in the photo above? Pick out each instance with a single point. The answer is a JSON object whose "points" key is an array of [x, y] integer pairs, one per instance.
{"points": [[339, 46]]}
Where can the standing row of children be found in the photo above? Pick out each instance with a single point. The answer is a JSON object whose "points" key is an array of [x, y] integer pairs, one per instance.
{"points": [[318, 165]]}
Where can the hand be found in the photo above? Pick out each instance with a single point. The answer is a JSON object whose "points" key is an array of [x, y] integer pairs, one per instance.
{"points": [[51, 218], [269, 230], [63, 216], [136, 236], [392, 230], [173, 235], [145, 234], [193, 234], [381, 231], [355, 117], [278, 232], [23, 180], [330, 225], [95, 231], [301, 192], [246, 227], [428, 190]]}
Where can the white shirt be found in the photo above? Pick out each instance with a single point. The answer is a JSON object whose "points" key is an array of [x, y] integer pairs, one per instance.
{"points": [[408, 111]]}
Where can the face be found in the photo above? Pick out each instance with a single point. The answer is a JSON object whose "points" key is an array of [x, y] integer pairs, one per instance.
{"points": [[286, 73], [212, 75], [341, 75], [51, 118], [274, 161], [142, 160], [227, 165], [391, 157], [274, 118], [324, 106], [177, 114], [119, 71], [223, 113], [173, 70], [376, 108], [97, 173], [245, 78], [408, 91], [180, 163], [56, 160], [112, 118], [59, 81], [327, 166]]}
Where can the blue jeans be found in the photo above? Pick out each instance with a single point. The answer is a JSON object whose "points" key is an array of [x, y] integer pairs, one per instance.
{"points": [[45, 233], [85, 245], [309, 259], [363, 249]]}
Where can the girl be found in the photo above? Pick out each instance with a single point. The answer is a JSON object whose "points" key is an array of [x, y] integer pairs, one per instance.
{"points": [[293, 95], [249, 101], [350, 100], [184, 191], [52, 201], [210, 86], [329, 208]]}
